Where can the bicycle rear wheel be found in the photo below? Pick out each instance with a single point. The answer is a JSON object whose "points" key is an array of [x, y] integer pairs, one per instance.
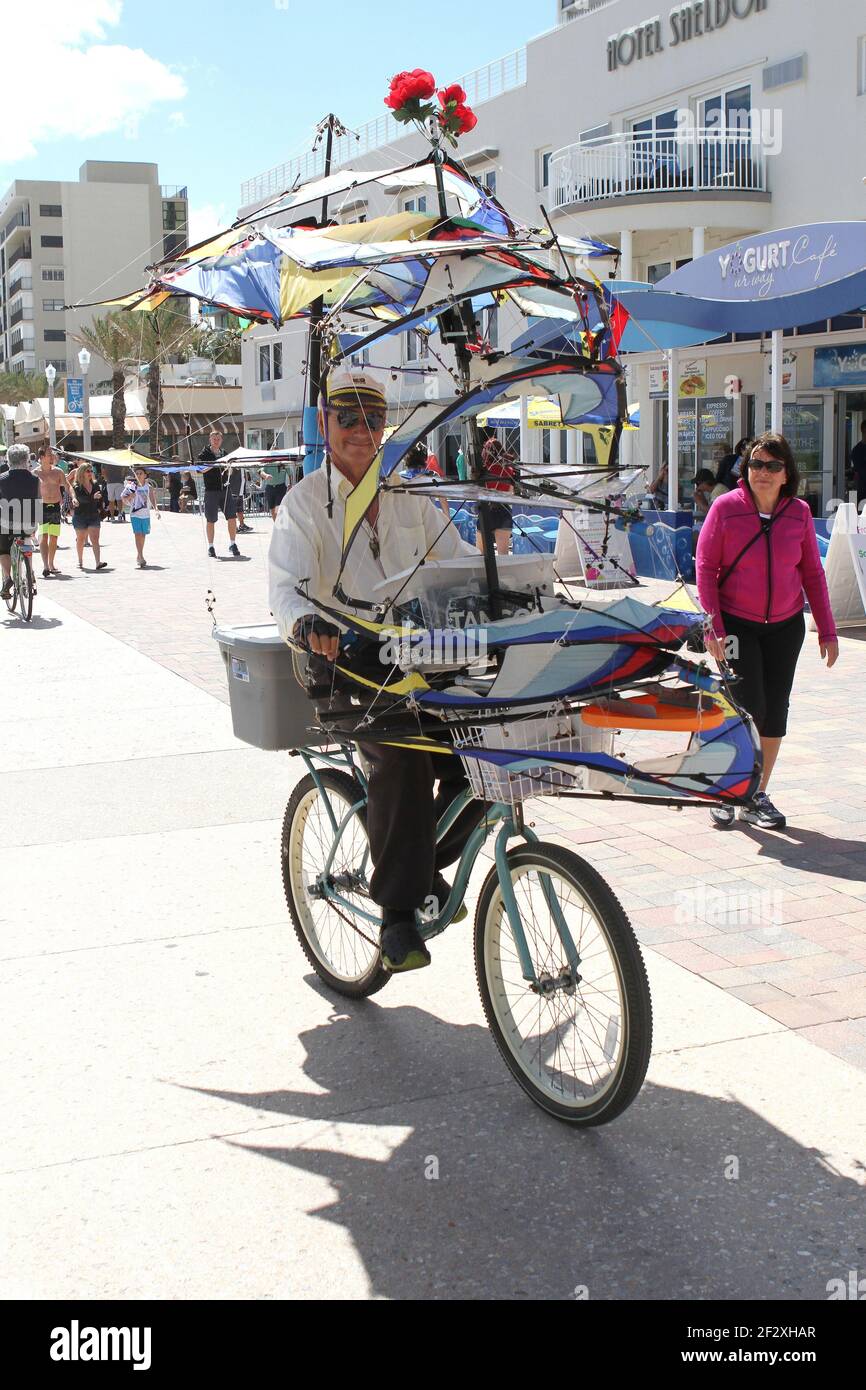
{"points": [[26, 587], [579, 1046], [342, 951], [11, 599]]}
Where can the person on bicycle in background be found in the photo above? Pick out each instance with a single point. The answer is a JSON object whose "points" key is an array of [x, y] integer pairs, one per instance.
{"points": [[53, 486], [19, 508], [398, 532]]}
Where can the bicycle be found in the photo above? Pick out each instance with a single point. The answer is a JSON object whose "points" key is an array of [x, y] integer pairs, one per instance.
{"points": [[23, 583], [560, 972]]}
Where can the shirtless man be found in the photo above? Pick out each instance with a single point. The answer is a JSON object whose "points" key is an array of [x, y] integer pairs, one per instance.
{"points": [[52, 485]]}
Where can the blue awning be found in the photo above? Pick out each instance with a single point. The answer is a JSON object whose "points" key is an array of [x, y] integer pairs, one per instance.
{"points": [[758, 284]]}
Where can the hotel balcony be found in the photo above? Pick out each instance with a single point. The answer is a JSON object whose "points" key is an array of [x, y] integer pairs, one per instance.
{"points": [[625, 176]]}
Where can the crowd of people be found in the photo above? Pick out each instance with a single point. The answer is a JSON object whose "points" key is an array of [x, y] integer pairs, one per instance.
{"points": [[79, 493]]}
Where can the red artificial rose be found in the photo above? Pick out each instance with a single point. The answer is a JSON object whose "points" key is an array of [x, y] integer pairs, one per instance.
{"points": [[453, 93], [467, 119], [406, 87], [422, 84]]}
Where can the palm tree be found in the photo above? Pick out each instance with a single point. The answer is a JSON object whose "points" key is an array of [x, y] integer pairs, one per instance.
{"points": [[159, 335], [16, 387], [109, 337]]}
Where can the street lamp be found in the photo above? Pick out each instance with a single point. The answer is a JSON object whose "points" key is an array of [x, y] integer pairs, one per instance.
{"points": [[50, 374], [84, 363]]}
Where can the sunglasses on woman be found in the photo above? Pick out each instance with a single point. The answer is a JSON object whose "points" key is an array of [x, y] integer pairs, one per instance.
{"points": [[348, 417], [770, 465]]}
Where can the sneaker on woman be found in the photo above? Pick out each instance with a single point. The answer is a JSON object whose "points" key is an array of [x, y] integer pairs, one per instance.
{"points": [[762, 813], [723, 817]]}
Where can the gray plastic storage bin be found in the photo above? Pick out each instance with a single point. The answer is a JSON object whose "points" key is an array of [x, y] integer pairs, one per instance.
{"points": [[270, 709]]}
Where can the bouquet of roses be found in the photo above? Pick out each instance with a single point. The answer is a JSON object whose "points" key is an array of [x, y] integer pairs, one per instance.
{"points": [[409, 98]]}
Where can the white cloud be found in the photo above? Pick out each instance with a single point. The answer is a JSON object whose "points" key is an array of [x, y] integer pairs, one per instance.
{"points": [[80, 86]]}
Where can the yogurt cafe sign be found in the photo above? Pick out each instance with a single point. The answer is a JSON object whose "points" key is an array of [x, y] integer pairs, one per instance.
{"points": [[684, 23], [757, 267]]}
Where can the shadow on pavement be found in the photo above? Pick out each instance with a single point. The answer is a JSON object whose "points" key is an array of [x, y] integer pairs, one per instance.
{"points": [[36, 623], [467, 1190], [811, 850]]}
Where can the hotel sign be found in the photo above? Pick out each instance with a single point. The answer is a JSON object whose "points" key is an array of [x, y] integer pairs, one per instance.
{"points": [[684, 22]]}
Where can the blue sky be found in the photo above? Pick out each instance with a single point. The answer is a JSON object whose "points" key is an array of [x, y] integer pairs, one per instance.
{"points": [[217, 92]]}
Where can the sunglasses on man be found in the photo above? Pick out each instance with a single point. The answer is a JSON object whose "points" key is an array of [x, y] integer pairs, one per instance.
{"points": [[769, 465], [348, 417]]}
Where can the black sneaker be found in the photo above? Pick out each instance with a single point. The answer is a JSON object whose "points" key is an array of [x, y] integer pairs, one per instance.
{"points": [[762, 813], [441, 890], [245, 530], [211, 553], [233, 550], [7, 588], [403, 946], [723, 817]]}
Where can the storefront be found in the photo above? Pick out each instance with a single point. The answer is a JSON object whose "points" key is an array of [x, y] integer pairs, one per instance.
{"points": [[795, 290]]}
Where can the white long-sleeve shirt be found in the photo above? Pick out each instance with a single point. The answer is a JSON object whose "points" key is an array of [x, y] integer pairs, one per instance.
{"points": [[307, 545]]}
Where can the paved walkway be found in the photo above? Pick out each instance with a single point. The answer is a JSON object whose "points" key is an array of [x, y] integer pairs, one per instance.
{"points": [[777, 920], [188, 1114]]}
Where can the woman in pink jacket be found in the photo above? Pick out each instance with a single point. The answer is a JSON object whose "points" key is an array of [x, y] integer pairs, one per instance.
{"points": [[757, 553]]}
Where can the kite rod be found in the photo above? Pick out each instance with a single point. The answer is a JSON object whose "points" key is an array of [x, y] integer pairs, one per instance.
{"points": [[450, 320], [332, 125]]}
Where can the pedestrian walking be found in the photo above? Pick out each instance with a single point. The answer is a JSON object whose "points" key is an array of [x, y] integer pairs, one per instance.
{"points": [[274, 480], [497, 476], [53, 485], [87, 509], [757, 552], [141, 495], [219, 496]]}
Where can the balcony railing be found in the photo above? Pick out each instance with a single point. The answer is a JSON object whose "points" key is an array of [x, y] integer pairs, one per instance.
{"points": [[24, 253], [24, 282], [482, 85], [632, 164], [20, 219]]}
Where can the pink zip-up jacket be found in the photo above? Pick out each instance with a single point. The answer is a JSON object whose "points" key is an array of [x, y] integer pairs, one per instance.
{"points": [[766, 584]]}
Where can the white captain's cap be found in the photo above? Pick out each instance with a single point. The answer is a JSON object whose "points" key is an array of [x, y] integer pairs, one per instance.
{"points": [[351, 386]]}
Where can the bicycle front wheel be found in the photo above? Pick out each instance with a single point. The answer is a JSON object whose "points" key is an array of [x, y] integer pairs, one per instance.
{"points": [[26, 586], [342, 949], [579, 1044]]}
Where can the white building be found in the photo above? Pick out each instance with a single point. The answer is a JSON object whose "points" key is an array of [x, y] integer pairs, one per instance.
{"points": [[669, 134], [66, 242]]}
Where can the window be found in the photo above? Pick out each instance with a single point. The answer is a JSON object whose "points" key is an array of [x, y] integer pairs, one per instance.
{"points": [[52, 272], [278, 361], [54, 335], [416, 204], [361, 358], [658, 271], [50, 210], [264, 363], [49, 241], [417, 347], [254, 439], [58, 363], [52, 306], [488, 181], [543, 168]]}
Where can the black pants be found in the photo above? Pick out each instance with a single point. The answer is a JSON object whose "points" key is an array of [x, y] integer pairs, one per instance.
{"points": [[402, 813], [766, 661]]}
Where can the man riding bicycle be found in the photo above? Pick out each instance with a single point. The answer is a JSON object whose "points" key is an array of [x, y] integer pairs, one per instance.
{"points": [[398, 532], [19, 505]]}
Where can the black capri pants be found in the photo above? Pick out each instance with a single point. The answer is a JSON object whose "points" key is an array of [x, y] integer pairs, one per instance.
{"points": [[765, 662]]}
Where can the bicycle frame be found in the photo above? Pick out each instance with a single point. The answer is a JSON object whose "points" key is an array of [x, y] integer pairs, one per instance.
{"points": [[510, 827]]}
